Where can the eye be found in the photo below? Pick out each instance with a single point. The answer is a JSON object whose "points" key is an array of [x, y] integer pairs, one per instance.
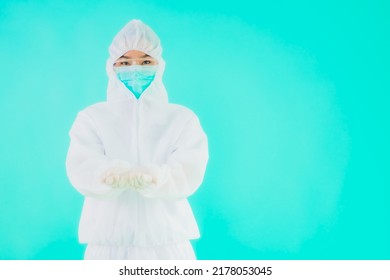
{"points": [[124, 63], [146, 62]]}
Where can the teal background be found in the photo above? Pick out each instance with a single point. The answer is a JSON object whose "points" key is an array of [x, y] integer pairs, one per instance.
{"points": [[294, 97]]}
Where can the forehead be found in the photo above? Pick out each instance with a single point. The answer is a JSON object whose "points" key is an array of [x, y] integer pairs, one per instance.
{"points": [[135, 54]]}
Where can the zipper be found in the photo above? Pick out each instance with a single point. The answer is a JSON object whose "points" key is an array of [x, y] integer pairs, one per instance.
{"points": [[137, 164], [137, 131]]}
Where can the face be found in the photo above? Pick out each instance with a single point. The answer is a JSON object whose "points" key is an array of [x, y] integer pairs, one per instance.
{"points": [[135, 57]]}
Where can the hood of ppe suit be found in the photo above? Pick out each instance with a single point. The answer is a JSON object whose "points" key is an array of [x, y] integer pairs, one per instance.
{"points": [[136, 35]]}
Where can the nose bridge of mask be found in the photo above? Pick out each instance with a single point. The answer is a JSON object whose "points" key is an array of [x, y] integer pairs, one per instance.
{"points": [[136, 78]]}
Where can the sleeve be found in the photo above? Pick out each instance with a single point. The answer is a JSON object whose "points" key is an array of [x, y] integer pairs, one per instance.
{"points": [[184, 170], [86, 161]]}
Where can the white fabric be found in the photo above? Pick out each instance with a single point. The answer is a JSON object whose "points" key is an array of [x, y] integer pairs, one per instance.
{"points": [[149, 135], [182, 251]]}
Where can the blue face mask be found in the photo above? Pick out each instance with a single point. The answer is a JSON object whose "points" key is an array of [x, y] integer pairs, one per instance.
{"points": [[136, 78]]}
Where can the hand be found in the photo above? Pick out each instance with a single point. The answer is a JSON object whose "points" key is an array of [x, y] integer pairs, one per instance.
{"points": [[114, 177], [123, 176], [128, 179], [138, 181], [157, 176]]}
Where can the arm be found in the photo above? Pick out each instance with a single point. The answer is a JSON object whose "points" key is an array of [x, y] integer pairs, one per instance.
{"points": [[184, 170], [86, 162]]}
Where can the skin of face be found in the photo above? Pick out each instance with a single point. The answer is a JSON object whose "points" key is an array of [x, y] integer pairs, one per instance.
{"points": [[134, 57]]}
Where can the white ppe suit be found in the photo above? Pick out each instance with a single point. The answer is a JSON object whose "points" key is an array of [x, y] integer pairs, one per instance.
{"points": [[149, 136]]}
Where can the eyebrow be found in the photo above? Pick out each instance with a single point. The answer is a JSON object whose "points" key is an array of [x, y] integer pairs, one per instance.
{"points": [[144, 56]]}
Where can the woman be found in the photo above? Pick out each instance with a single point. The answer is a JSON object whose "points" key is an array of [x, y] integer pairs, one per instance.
{"points": [[136, 158]]}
